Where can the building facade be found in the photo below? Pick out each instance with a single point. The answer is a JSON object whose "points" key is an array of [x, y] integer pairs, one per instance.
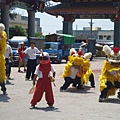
{"points": [[97, 33], [23, 22]]}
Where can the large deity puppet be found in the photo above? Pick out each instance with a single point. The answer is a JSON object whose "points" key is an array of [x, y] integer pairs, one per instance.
{"points": [[110, 75], [75, 70], [2, 52], [87, 74]]}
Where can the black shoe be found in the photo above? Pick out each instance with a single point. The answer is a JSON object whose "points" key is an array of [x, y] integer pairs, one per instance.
{"points": [[102, 99], [32, 107], [11, 78], [8, 82], [73, 85], [118, 96], [80, 87], [93, 86], [4, 93], [51, 106], [61, 90]]}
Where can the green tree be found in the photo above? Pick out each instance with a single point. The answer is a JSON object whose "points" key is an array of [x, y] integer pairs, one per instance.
{"points": [[17, 31], [39, 34]]}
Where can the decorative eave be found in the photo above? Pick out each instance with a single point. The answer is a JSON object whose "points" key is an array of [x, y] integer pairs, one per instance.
{"points": [[107, 10]]}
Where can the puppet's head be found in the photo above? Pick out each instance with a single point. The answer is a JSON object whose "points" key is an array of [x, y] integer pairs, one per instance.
{"points": [[3, 38], [72, 53], [45, 62], [87, 56], [77, 60], [44, 58], [113, 55], [2, 27], [80, 54]]}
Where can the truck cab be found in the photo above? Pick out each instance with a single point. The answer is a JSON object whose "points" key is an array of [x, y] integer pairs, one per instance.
{"points": [[15, 43], [55, 51], [58, 46]]}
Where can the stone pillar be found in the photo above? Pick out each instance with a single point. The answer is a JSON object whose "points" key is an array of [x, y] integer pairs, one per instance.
{"points": [[117, 30], [5, 17], [68, 25], [31, 24], [117, 34]]}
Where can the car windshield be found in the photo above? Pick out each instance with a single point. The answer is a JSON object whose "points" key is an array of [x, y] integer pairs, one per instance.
{"points": [[51, 46], [15, 45]]}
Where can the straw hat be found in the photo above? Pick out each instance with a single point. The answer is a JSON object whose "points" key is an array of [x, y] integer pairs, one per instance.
{"points": [[83, 44]]}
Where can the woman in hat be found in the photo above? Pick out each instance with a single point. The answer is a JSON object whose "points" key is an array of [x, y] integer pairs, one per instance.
{"points": [[21, 57]]}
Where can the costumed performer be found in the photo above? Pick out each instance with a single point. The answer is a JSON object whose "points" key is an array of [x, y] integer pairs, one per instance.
{"points": [[44, 72], [110, 75], [71, 69], [3, 37], [88, 76]]}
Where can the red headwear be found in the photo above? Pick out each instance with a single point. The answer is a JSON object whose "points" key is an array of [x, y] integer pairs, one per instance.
{"points": [[116, 49], [45, 65], [80, 53]]}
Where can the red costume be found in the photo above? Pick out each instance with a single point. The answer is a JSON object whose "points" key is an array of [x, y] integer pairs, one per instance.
{"points": [[44, 82]]}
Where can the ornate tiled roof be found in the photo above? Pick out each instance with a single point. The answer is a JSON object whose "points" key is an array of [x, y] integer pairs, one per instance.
{"points": [[82, 9]]}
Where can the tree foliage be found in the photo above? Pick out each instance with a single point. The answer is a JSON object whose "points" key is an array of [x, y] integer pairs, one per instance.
{"points": [[39, 34], [17, 31]]}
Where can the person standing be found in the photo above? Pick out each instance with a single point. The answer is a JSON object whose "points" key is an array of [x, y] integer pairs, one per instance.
{"points": [[43, 72], [32, 62], [3, 37], [21, 57], [8, 55]]}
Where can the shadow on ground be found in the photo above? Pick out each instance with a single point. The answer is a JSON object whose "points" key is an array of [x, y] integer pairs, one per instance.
{"points": [[4, 98], [113, 100], [46, 109], [84, 90]]}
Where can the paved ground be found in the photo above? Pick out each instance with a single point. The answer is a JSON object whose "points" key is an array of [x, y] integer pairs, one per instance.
{"points": [[71, 105]]}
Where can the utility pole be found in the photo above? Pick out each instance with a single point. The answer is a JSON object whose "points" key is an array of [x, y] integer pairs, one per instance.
{"points": [[91, 23]]}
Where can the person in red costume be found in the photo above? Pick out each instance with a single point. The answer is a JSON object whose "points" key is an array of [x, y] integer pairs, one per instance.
{"points": [[43, 72], [21, 57]]}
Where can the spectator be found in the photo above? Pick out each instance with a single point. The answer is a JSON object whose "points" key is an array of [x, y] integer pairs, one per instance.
{"points": [[83, 47], [8, 54], [32, 62], [21, 57], [11, 62]]}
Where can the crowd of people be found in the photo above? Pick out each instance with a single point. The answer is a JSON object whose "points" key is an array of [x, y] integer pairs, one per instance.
{"points": [[77, 71]]}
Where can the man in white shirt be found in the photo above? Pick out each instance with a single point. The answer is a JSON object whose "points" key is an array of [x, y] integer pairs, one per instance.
{"points": [[31, 64], [7, 55]]}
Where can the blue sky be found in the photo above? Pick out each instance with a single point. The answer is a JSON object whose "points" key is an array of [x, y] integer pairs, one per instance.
{"points": [[50, 23]]}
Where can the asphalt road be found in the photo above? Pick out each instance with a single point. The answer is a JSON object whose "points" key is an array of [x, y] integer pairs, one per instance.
{"points": [[70, 105]]}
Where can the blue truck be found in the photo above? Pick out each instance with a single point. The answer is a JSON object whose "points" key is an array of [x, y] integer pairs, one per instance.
{"points": [[58, 46]]}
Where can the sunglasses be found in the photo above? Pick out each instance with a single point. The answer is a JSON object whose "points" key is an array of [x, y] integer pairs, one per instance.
{"points": [[44, 58]]}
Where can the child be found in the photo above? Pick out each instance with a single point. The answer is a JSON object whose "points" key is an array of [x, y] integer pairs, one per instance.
{"points": [[43, 84]]}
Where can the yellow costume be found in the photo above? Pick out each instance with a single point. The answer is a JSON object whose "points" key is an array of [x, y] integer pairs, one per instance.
{"points": [[87, 74], [110, 75], [75, 70], [2, 58]]}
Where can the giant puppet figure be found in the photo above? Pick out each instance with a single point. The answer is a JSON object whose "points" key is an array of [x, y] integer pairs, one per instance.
{"points": [[87, 74], [2, 59], [110, 76], [74, 71]]}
